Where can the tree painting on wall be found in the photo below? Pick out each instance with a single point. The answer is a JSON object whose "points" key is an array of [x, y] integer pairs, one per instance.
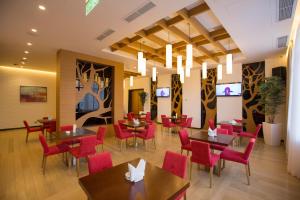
{"points": [[94, 84]]}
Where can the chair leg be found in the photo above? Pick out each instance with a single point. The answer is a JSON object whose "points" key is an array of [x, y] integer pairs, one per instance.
{"points": [[184, 197], [219, 167], [247, 174], [191, 170], [181, 151], [211, 176], [249, 169], [102, 147], [223, 164], [27, 137], [45, 161], [187, 152], [77, 166], [67, 160]]}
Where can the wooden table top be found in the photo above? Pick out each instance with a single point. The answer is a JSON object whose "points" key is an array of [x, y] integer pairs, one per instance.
{"points": [[42, 121], [80, 132], [110, 184], [232, 123], [133, 125], [220, 139]]}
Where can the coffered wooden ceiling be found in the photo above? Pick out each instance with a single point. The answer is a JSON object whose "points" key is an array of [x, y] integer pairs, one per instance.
{"points": [[182, 28]]}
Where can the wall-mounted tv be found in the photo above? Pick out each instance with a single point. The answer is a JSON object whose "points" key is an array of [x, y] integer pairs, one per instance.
{"points": [[229, 89], [163, 92]]}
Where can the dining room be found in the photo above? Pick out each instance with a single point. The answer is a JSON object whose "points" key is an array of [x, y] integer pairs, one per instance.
{"points": [[153, 100]]}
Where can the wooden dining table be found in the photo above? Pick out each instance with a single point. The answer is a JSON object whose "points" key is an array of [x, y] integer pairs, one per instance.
{"points": [[111, 184], [70, 135], [220, 139], [135, 126]]}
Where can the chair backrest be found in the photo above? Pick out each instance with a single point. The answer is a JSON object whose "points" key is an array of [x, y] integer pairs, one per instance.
{"points": [[118, 130], [66, 128], [183, 119], [228, 127], [258, 127], [201, 153], [175, 163], [87, 146], [150, 131], [148, 116], [184, 137], [120, 122], [249, 148], [101, 133], [129, 116], [26, 124], [165, 121], [211, 124], [189, 122], [44, 143], [162, 117], [52, 126], [222, 131], [99, 162]]}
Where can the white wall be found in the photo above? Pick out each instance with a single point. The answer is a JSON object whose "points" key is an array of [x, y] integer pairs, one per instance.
{"points": [[13, 112], [229, 108], [191, 93], [164, 103], [138, 83]]}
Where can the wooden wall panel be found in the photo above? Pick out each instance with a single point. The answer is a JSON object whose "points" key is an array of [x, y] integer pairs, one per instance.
{"points": [[253, 75], [208, 98], [176, 95]]}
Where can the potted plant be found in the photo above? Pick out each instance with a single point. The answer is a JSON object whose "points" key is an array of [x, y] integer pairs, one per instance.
{"points": [[143, 97], [272, 92]]}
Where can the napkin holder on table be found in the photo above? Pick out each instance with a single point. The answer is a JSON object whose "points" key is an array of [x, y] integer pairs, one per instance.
{"points": [[136, 174], [212, 133], [136, 121]]}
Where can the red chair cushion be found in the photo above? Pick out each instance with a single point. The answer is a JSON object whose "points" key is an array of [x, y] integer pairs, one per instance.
{"points": [[218, 147], [56, 149], [234, 156]]}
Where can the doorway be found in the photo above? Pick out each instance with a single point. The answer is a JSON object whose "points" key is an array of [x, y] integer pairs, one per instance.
{"points": [[134, 101]]}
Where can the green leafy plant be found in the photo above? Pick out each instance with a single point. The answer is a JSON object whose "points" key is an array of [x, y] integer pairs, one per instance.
{"points": [[272, 92], [143, 97]]}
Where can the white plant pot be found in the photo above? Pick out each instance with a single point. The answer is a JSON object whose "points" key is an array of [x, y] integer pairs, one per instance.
{"points": [[272, 133]]}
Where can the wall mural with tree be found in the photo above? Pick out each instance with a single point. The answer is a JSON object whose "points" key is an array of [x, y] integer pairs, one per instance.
{"points": [[153, 103], [253, 75], [94, 97], [208, 98], [176, 95]]}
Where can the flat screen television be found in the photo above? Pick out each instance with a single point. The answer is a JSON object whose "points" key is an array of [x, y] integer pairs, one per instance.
{"points": [[228, 89], [163, 92]]}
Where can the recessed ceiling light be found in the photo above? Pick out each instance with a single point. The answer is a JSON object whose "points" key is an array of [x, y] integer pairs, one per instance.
{"points": [[24, 58], [41, 7], [26, 52], [34, 30], [29, 43]]}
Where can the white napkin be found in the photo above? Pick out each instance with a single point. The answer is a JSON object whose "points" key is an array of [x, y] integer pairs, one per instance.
{"points": [[233, 121], [212, 133], [136, 121], [136, 174]]}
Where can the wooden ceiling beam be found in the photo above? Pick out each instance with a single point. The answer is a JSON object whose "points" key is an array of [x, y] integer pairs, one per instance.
{"points": [[201, 29], [233, 51], [185, 38]]}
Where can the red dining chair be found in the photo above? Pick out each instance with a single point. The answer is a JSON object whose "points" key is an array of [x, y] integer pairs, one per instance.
{"points": [[99, 162], [86, 148], [130, 116], [182, 119], [238, 129], [239, 157], [185, 141], [148, 134], [201, 154], [251, 135], [217, 146], [162, 119], [229, 127], [100, 136], [52, 150], [122, 135], [123, 127], [211, 124], [167, 124], [51, 128], [31, 129], [148, 116], [176, 164], [187, 123]]}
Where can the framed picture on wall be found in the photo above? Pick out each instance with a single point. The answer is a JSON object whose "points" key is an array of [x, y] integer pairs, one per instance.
{"points": [[33, 94]]}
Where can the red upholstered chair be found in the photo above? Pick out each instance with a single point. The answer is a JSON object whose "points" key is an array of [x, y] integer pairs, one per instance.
{"points": [[182, 119], [130, 116], [86, 148], [100, 136], [122, 134], [99, 162], [238, 129], [51, 128], [201, 154], [251, 135], [176, 164], [31, 129], [51, 150], [211, 124], [148, 134], [217, 146], [239, 157], [228, 127], [187, 123], [68, 128], [148, 116], [185, 141], [123, 127], [167, 123]]}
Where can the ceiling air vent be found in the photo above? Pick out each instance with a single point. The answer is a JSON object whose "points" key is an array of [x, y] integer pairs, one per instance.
{"points": [[281, 41], [105, 34], [285, 9], [140, 11]]}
